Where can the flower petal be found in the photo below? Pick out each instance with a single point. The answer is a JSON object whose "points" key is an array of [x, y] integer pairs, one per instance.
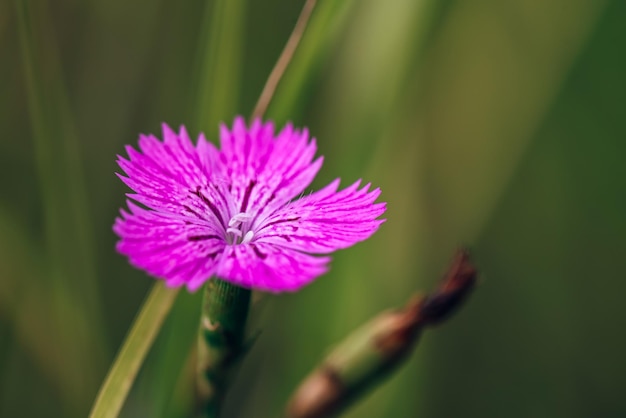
{"points": [[168, 246], [264, 171], [324, 221], [269, 267], [174, 177]]}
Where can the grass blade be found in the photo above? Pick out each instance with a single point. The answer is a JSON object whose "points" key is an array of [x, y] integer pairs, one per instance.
{"points": [[68, 273], [220, 55], [132, 354]]}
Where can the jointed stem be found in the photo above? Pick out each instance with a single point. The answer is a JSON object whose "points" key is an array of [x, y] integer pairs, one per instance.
{"points": [[220, 341]]}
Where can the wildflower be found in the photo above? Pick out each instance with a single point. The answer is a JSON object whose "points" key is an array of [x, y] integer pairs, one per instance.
{"points": [[230, 213]]}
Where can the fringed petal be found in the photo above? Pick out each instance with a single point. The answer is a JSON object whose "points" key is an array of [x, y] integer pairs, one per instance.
{"points": [[269, 267], [169, 247], [266, 171], [324, 221]]}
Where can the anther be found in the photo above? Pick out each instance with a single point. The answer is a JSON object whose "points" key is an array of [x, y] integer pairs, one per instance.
{"points": [[248, 237], [234, 231], [239, 218]]}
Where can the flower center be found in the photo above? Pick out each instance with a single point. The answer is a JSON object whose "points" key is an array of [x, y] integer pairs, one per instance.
{"points": [[238, 231]]}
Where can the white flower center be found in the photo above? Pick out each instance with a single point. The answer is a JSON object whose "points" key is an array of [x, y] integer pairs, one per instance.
{"points": [[238, 231]]}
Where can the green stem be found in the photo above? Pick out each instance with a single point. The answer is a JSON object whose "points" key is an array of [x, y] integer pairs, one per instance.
{"points": [[220, 341]]}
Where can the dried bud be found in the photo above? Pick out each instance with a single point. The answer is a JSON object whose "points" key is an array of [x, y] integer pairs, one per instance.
{"points": [[374, 350]]}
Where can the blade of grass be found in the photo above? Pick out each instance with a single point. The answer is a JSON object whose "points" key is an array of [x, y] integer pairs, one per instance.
{"points": [[219, 59], [130, 357], [59, 161], [172, 350], [70, 300]]}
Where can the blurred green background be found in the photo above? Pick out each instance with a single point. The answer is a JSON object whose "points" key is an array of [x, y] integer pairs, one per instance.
{"points": [[500, 125]]}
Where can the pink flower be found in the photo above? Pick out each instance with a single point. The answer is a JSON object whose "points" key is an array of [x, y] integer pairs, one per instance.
{"points": [[230, 213]]}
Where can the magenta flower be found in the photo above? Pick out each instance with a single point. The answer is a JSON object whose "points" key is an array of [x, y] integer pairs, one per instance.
{"points": [[230, 213]]}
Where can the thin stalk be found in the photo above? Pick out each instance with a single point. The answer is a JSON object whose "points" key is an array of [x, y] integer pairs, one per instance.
{"points": [[325, 26], [284, 60]]}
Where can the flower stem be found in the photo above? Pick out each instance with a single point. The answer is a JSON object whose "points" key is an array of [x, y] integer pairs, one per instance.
{"points": [[220, 341]]}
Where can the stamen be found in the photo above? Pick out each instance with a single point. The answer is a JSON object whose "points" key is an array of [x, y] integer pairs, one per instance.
{"points": [[239, 218], [234, 231], [248, 237], [238, 228]]}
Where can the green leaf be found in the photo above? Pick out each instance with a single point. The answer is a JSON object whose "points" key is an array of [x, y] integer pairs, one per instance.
{"points": [[132, 354]]}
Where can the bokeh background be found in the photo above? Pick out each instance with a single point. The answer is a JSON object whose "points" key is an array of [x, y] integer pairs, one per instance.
{"points": [[499, 125]]}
